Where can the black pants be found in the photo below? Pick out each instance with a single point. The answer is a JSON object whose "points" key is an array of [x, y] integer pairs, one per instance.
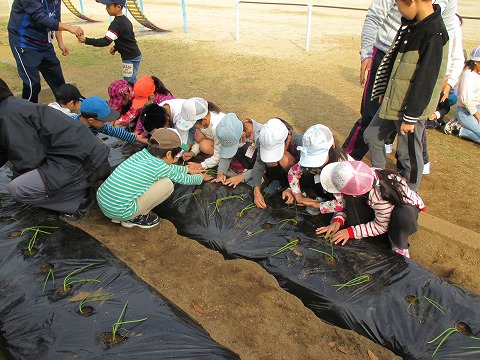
{"points": [[30, 63]]}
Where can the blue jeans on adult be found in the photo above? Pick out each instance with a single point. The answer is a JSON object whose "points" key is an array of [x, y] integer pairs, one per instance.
{"points": [[471, 127], [130, 69]]}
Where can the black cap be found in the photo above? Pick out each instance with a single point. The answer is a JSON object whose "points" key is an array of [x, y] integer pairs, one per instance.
{"points": [[68, 92]]}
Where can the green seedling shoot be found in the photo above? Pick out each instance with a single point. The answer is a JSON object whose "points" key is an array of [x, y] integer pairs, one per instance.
{"points": [[286, 221], [460, 327], [432, 302], [246, 208], [329, 255], [211, 172], [8, 219], [250, 234], [290, 245], [94, 297], [355, 281], [219, 202], [116, 325], [49, 275], [37, 230], [69, 279], [194, 193]]}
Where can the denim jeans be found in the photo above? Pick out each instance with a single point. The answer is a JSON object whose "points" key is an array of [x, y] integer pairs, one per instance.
{"points": [[130, 69], [471, 127]]}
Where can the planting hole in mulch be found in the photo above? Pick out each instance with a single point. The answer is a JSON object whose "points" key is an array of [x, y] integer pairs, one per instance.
{"points": [[330, 260], [411, 299], [463, 328], [15, 234], [87, 310], [267, 226], [66, 290], [106, 338], [32, 252], [46, 267]]}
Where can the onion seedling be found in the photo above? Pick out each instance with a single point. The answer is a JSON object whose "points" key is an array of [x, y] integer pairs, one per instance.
{"points": [[265, 227], [246, 208], [413, 300], [69, 279], [329, 255], [290, 245], [460, 327], [36, 229], [194, 193], [49, 274], [286, 221], [355, 281], [94, 297], [219, 202], [116, 325]]}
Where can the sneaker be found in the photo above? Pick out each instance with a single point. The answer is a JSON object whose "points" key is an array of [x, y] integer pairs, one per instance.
{"points": [[116, 221], [388, 148], [84, 208], [452, 127], [426, 168], [403, 252], [142, 221]]}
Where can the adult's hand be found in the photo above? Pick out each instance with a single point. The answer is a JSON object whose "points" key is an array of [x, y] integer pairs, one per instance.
{"points": [[365, 66], [407, 128]]}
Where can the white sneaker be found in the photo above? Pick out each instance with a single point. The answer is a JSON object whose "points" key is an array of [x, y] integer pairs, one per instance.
{"points": [[388, 148], [426, 168]]}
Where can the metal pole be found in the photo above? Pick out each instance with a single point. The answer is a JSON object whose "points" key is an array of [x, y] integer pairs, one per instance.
{"points": [[81, 7], [309, 23], [141, 4], [237, 18], [184, 11]]}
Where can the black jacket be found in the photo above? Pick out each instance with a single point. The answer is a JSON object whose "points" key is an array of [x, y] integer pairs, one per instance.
{"points": [[36, 136]]}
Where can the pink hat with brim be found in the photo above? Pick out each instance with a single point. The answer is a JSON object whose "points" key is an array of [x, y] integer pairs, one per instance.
{"points": [[347, 177]]}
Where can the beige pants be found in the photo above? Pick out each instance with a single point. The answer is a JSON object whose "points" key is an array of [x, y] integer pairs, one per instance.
{"points": [[155, 195]]}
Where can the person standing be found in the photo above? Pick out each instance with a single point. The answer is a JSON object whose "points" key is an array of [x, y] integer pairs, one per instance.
{"points": [[32, 29]]}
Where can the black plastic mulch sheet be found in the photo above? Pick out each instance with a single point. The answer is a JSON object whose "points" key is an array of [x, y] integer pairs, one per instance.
{"points": [[38, 323], [381, 305]]}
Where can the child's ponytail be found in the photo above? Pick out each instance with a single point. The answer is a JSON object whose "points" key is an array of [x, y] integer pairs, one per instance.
{"points": [[390, 187]]}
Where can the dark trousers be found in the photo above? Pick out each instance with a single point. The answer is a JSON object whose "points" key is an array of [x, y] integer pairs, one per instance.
{"points": [[30, 63], [354, 145], [403, 221]]}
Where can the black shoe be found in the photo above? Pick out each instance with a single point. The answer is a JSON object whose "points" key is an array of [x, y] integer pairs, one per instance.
{"points": [[84, 208], [143, 221]]}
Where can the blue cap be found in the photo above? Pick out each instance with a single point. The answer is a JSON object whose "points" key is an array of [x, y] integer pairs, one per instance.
{"points": [[110, 2], [96, 107], [229, 132]]}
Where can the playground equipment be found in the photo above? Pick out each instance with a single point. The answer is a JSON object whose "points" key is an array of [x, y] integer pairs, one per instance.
{"points": [[76, 12]]}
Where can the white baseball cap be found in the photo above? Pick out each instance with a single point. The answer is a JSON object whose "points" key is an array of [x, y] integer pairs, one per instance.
{"points": [[316, 142], [272, 140], [193, 109], [475, 55]]}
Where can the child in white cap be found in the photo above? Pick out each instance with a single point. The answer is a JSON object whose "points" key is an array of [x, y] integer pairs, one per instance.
{"points": [[145, 180], [318, 149], [376, 202], [278, 153]]}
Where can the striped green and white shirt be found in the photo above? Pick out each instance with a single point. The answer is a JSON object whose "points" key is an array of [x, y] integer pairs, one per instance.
{"points": [[132, 178]]}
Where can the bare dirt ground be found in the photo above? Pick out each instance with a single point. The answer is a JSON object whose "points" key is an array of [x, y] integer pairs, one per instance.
{"points": [[267, 74]]}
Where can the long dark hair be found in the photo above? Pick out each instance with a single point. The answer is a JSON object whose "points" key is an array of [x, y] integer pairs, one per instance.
{"points": [[212, 107], [159, 87], [470, 64], [390, 187], [4, 90]]}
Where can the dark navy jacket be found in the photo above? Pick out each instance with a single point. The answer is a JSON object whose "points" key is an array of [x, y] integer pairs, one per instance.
{"points": [[31, 22]]}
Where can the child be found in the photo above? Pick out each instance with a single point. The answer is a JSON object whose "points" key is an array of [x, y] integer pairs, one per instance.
{"points": [[121, 33], [145, 180], [95, 113], [68, 100], [143, 94], [120, 96], [410, 92], [153, 117], [204, 117], [468, 108], [278, 146], [318, 149], [376, 202]]}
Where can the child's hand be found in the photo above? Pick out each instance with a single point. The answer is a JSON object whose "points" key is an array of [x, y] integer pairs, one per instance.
{"points": [[194, 165], [328, 230], [288, 196], [234, 181], [407, 128], [309, 202], [221, 178], [341, 237], [113, 51], [188, 155], [141, 139], [192, 170], [206, 177], [81, 39], [258, 198]]}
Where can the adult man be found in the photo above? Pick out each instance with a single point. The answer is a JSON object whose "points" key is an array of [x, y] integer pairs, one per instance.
{"points": [[55, 159], [379, 29], [32, 28]]}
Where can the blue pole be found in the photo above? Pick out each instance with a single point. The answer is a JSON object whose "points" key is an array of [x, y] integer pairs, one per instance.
{"points": [[81, 7], [185, 26], [141, 4]]}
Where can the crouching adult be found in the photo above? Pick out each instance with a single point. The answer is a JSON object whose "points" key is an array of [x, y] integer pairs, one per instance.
{"points": [[55, 159]]}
